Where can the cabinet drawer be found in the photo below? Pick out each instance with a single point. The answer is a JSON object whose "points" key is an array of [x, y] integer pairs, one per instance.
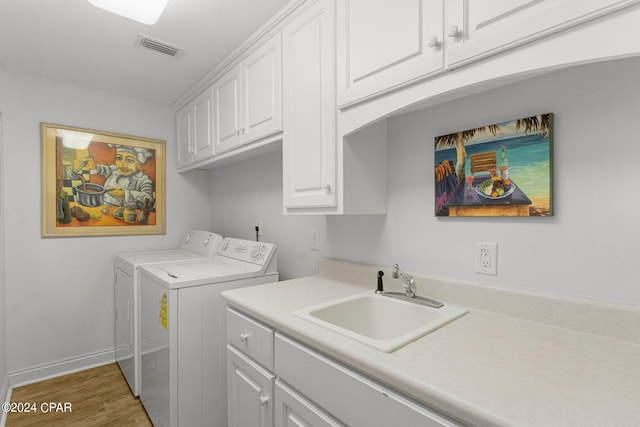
{"points": [[348, 396], [253, 338]]}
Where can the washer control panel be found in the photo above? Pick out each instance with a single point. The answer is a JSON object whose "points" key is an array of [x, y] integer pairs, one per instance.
{"points": [[246, 250], [200, 242]]}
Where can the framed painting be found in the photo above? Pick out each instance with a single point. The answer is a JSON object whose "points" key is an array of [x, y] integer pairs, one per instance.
{"points": [[96, 183], [504, 169]]}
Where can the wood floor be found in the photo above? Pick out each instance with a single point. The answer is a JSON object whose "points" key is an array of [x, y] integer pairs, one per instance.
{"points": [[97, 397]]}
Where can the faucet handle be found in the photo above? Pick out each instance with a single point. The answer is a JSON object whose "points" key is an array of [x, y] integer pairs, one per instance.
{"points": [[408, 283], [395, 272]]}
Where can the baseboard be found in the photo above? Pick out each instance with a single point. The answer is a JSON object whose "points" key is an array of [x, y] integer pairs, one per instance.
{"points": [[62, 367], [5, 396]]}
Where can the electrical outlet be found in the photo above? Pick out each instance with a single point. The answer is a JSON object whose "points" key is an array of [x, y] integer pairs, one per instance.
{"points": [[315, 241], [487, 258]]}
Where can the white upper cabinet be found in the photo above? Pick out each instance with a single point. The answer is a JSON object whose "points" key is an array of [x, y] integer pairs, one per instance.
{"points": [[184, 117], [226, 93], [476, 29], [262, 91], [384, 44], [194, 130], [309, 141], [202, 126], [248, 99]]}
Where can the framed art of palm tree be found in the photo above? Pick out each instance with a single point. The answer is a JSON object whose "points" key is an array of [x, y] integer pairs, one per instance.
{"points": [[502, 169]]}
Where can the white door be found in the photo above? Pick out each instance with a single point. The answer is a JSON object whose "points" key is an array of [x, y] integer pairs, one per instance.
{"points": [[203, 147], [293, 410], [183, 125], [201, 355], [476, 29], [158, 313], [262, 91], [309, 142], [226, 92], [250, 392], [384, 44]]}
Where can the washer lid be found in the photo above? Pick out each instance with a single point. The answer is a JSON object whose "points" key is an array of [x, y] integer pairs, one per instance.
{"points": [[135, 259], [213, 269]]}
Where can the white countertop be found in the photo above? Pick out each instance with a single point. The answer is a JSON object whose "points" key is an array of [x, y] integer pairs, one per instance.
{"points": [[484, 369]]}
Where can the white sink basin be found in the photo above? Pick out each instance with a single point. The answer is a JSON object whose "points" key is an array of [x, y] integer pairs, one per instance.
{"points": [[381, 322]]}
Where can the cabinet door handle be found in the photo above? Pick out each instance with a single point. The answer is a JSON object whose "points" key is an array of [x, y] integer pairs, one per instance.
{"points": [[244, 336], [453, 31], [264, 399], [326, 188], [433, 42]]}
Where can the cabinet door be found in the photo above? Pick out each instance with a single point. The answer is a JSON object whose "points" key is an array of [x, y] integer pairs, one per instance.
{"points": [[183, 127], [384, 44], [262, 91], [202, 126], [226, 92], [476, 29], [309, 141], [250, 392], [292, 410]]}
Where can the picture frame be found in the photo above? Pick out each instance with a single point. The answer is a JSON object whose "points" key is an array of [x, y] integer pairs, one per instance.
{"points": [[97, 183], [503, 169]]}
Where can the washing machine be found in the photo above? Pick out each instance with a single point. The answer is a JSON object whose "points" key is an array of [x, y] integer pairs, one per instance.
{"points": [[182, 331], [195, 245]]}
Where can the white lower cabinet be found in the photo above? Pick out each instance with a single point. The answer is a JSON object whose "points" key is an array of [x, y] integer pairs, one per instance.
{"points": [[305, 388], [250, 391], [293, 410], [348, 396]]}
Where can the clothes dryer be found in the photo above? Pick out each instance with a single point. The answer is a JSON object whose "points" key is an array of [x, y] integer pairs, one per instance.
{"points": [[196, 245], [182, 331]]}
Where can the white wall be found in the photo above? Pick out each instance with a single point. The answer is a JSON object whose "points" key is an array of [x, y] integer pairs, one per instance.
{"points": [[59, 291], [4, 377], [246, 191], [591, 246]]}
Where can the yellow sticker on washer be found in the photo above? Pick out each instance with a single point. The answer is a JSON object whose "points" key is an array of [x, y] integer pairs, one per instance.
{"points": [[163, 311]]}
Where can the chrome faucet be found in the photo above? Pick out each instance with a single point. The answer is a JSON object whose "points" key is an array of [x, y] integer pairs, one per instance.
{"points": [[409, 285], [406, 279]]}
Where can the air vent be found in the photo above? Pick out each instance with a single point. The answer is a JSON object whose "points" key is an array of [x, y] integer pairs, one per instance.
{"points": [[159, 46]]}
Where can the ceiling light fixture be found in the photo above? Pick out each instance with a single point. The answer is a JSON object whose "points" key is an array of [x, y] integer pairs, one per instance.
{"points": [[145, 11]]}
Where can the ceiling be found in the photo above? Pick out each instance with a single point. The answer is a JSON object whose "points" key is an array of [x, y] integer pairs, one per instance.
{"points": [[74, 42]]}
